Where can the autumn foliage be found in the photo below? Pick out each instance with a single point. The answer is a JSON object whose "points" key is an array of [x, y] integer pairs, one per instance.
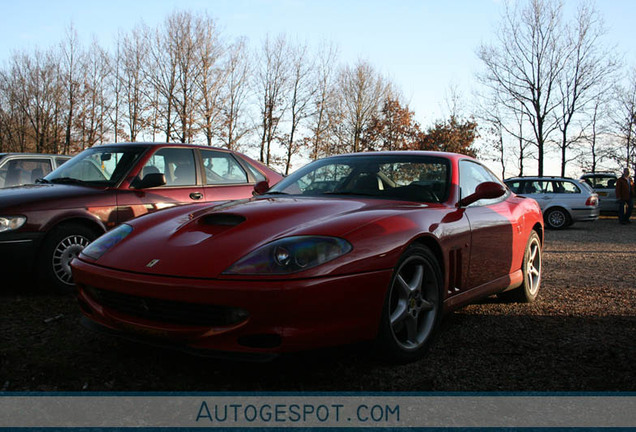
{"points": [[395, 129]]}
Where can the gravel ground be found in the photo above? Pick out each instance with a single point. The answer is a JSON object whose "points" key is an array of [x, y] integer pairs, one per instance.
{"points": [[580, 335]]}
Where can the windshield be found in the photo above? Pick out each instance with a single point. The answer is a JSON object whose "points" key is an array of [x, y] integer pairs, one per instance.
{"points": [[98, 166], [402, 177]]}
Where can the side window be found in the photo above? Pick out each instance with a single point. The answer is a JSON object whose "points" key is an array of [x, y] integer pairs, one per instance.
{"points": [[569, 187], [60, 161], [515, 186], [258, 176], [176, 164], [222, 168], [24, 171], [535, 187], [471, 175]]}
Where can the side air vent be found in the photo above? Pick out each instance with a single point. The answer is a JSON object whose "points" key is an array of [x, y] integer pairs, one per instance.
{"points": [[224, 219]]}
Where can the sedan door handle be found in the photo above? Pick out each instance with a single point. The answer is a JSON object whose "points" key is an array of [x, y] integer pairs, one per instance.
{"points": [[196, 195]]}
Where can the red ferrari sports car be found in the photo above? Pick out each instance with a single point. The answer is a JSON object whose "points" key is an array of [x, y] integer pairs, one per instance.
{"points": [[369, 246]]}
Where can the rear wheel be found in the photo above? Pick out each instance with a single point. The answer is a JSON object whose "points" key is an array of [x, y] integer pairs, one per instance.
{"points": [[557, 218], [529, 290], [412, 306], [61, 245]]}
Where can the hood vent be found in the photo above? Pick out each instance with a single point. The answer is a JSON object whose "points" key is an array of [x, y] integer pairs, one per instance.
{"points": [[223, 219]]}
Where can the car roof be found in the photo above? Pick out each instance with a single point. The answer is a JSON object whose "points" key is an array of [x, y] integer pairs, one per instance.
{"points": [[33, 154], [542, 178], [600, 174], [162, 144], [447, 155]]}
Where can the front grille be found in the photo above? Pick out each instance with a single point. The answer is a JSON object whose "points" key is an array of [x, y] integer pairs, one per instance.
{"points": [[168, 311]]}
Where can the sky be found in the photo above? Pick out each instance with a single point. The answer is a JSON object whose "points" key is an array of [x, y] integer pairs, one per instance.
{"points": [[424, 46]]}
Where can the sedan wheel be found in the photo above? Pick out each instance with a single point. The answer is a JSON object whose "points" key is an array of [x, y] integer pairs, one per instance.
{"points": [[66, 250], [60, 247], [557, 218], [412, 306]]}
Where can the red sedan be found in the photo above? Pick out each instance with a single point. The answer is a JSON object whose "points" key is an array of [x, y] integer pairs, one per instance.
{"points": [[46, 225], [354, 247]]}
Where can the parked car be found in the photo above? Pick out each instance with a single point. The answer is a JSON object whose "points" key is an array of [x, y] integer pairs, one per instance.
{"points": [[51, 222], [25, 168], [604, 184], [353, 247], [563, 200]]}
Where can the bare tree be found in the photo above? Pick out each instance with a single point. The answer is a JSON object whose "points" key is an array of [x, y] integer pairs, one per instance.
{"points": [[302, 91], [234, 95], [624, 119], [588, 72], [211, 78], [162, 73], [95, 104], [324, 99], [597, 140], [180, 32], [34, 91], [361, 92], [71, 52], [525, 64], [272, 79], [133, 81]]}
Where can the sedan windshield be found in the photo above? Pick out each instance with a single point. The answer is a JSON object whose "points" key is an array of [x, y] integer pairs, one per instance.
{"points": [[401, 177], [97, 166]]}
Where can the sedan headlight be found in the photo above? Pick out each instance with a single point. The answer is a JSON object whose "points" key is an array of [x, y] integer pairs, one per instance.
{"points": [[99, 247], [290, 255], [11, 223]]}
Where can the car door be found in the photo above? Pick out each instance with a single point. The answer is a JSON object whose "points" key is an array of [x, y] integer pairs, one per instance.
{"points": [[183, 186], [491, 226], [224, 178]]}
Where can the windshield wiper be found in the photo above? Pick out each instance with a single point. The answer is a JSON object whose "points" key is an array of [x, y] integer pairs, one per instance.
{"points": [[67, 180], [41, 180], [275, 193]]}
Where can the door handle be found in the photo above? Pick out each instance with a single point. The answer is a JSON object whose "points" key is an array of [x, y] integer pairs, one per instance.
{"points": [[196, 195]]}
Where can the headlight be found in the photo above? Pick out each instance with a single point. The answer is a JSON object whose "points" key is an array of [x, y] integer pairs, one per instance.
{"points": [[107, 241], [10, 223], [290, 255]]}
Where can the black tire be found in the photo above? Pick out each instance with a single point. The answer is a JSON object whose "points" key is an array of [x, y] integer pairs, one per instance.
{"points": [[557, 218], [60, 246], [531, 268], [412, 307]]}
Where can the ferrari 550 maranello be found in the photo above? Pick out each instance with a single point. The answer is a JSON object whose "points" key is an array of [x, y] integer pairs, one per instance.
{"points": [[369, 246]]}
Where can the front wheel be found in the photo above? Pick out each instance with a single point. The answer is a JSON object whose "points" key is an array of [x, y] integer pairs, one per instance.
{"points": [[61, 245], [529, 290], [412, 306]]}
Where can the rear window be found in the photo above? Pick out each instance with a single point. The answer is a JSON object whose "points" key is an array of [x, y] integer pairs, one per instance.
{"points": [[601, 181]]}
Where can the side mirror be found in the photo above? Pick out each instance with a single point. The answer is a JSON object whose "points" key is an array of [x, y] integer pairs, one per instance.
{"points": [[151, 180], [486, 190], [260, 188]]}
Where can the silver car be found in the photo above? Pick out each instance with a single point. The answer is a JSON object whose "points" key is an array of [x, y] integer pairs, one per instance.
{"points": [[604, 184], [25, 168], [563, 200]]}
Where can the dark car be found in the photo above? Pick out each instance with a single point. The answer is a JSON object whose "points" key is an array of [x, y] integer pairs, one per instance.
{"points": [[49, 223], [350, 248], [25, 168]]}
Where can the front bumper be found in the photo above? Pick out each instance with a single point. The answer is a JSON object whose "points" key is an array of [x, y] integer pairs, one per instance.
{"points": [[281, 315], [18, 250]]}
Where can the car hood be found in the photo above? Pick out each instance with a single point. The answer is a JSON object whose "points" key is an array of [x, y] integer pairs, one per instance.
{"points": [[19, 199], [204, 243]]}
